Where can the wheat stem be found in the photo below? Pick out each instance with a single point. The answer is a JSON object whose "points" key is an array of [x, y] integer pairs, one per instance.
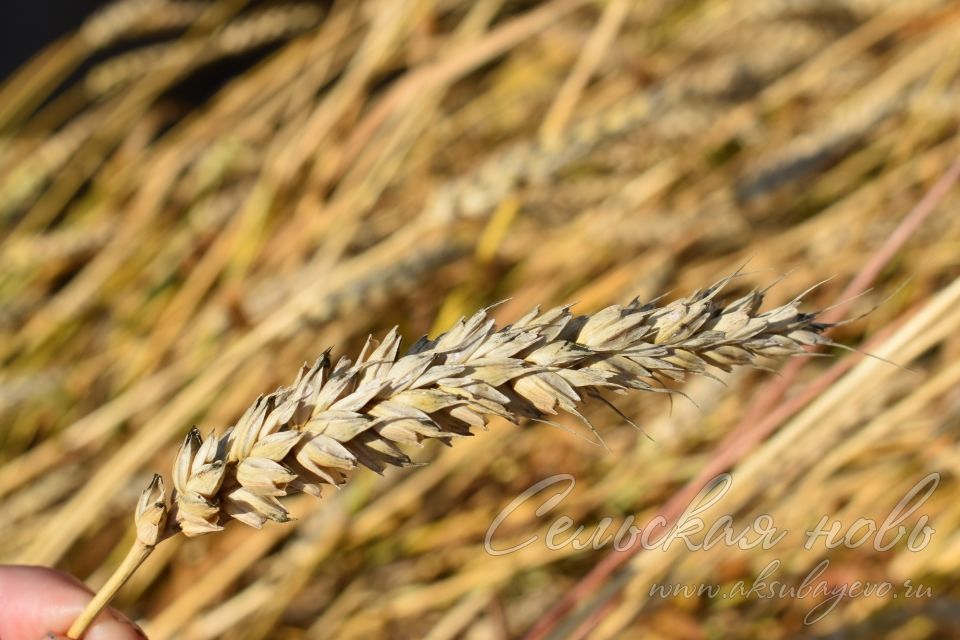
{"points": [[135, 557]]}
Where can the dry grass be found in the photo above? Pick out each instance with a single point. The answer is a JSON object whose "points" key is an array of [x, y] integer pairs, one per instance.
{"points": [[174, 246]]}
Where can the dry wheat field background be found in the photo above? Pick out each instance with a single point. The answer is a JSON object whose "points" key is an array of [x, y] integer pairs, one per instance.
{"points": [[197, 197]]}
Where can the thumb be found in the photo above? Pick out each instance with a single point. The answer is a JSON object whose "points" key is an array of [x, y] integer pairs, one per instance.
{"points": [[41, 603]]}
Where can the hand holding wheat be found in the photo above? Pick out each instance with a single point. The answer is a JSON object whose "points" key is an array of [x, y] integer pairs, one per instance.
{"points": [[331, 420]]}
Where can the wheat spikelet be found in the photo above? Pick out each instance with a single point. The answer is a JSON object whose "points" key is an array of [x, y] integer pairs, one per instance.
{"points": [[333, 419], [239, 36], [849, 122], [170, 16], [27, 175], [533, 160], [265, 26], [110, 23]]}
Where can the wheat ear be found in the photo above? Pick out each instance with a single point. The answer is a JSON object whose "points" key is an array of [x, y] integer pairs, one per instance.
{"points": [[334, 419]]}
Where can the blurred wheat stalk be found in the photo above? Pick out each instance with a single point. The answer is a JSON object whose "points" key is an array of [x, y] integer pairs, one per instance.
{"points": [[173, 244]]}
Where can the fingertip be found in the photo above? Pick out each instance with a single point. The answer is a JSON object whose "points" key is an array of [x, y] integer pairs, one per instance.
{"points": [[113, 626], [40, 602]]}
